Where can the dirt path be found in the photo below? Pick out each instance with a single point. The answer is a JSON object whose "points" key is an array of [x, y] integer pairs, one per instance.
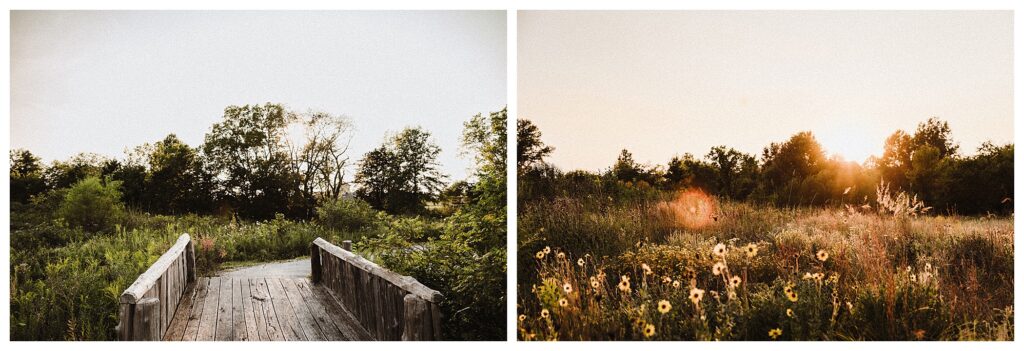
{"points": [[295, 268]]}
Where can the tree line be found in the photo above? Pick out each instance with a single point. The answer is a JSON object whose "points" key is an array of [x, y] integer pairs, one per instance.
{"points": [[250, 166], [797, 172]]}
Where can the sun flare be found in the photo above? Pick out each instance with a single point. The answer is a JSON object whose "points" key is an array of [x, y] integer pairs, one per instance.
{"points": [[851, 141]]}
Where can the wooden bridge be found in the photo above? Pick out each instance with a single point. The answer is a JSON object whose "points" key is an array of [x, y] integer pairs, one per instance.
{"points": [[346, 297]]}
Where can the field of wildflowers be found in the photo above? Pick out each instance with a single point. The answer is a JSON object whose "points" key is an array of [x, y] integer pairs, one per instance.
{"points": [[694, 268]]}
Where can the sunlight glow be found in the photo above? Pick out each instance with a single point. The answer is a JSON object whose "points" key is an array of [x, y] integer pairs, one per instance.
{"points": [[851, 141]]}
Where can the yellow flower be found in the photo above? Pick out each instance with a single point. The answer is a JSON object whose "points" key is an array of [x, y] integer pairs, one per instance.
{"points": [[522, 317], [788, 289], [775, 333], [649, 330], [664, 306], [696, 295], [735, 281], [594, 283], [792, 296], [562, 302], [560, 255], [822, 255], [808, 276], [547, 249], [624, 286], [666, 279], [718, 268], [567, 287], [751, 250], [647, 269], [540, 255], [719, 250], [675, 284], [580, 262], [789, 312], [544, 313], [640, 323], [625, 277]]}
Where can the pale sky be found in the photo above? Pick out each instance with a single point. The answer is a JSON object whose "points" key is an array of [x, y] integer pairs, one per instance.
{"points": [[665, 83], [105, 81]]}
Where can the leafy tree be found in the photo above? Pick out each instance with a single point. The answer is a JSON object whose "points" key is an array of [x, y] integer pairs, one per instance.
{"points": [[786, 167], [177, 181], [735, 172], [401, 175], [530, 150], [321, 159], [485, 137], [134, 192], [26, 176], [937, 134], [247, 152], [688, 171], [625, 168], [65, 174]]}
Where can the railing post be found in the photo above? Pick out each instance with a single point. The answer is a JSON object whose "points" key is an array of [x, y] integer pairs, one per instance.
{"points": [[145, 322], [190, 260], [125, 318], [416, 327], [315, 264], [347, 245]]}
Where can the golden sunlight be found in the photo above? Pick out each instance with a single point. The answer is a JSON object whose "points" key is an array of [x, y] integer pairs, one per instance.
{"points": [[850, 140]]}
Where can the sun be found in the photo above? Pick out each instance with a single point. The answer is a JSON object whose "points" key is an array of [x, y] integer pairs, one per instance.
{"points": [[849, 140]]}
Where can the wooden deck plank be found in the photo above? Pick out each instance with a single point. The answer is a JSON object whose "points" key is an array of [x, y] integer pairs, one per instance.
{"points": [[249, 314], [320, 312], [286, 316], [266, 318], [208, 323], [302, 312], [192, 325], [343, 318], [176, 330], [237, 312], [224, 325]]}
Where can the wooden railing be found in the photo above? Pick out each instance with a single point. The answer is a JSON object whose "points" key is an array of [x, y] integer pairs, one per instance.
{"points": [[149, 303], [388, 305]]}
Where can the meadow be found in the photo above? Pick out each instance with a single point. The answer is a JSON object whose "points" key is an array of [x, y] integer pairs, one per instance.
{"points": [[638, 263]]}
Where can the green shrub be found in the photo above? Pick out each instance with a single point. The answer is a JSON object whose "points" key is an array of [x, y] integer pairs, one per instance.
{"points": [[347, 214], [92, 205]]}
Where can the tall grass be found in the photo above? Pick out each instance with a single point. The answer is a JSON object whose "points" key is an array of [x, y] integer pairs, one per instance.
{"points": [[600, 270]]}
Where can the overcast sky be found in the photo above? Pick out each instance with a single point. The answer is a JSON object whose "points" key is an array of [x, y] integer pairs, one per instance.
{"points": [[665, 83], [105, 81]]}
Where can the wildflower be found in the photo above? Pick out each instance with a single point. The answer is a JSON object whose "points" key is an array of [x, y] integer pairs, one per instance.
{"points": [[913, 278], [666, 279], [792, 296], [547, 249], [640, 323], [561, 255], [822, 255], [544, 313], [567, 287], [696, 295], [819, 276], [735, 281], [751, 250], [719, 250], [579, 262], [808, 276], [540, 255], [789, 312], [927, 266], [562, 302], [788, 289], [522, 317], [649, 330], [664, 306], [624, 286], [718, 268], [594, 283], [625, 277], [647, 269], [675, 284], [775, 333]]}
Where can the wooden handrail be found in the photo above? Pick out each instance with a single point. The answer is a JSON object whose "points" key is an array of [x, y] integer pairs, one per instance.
{"points": [[387, 304], [148, 305]]}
